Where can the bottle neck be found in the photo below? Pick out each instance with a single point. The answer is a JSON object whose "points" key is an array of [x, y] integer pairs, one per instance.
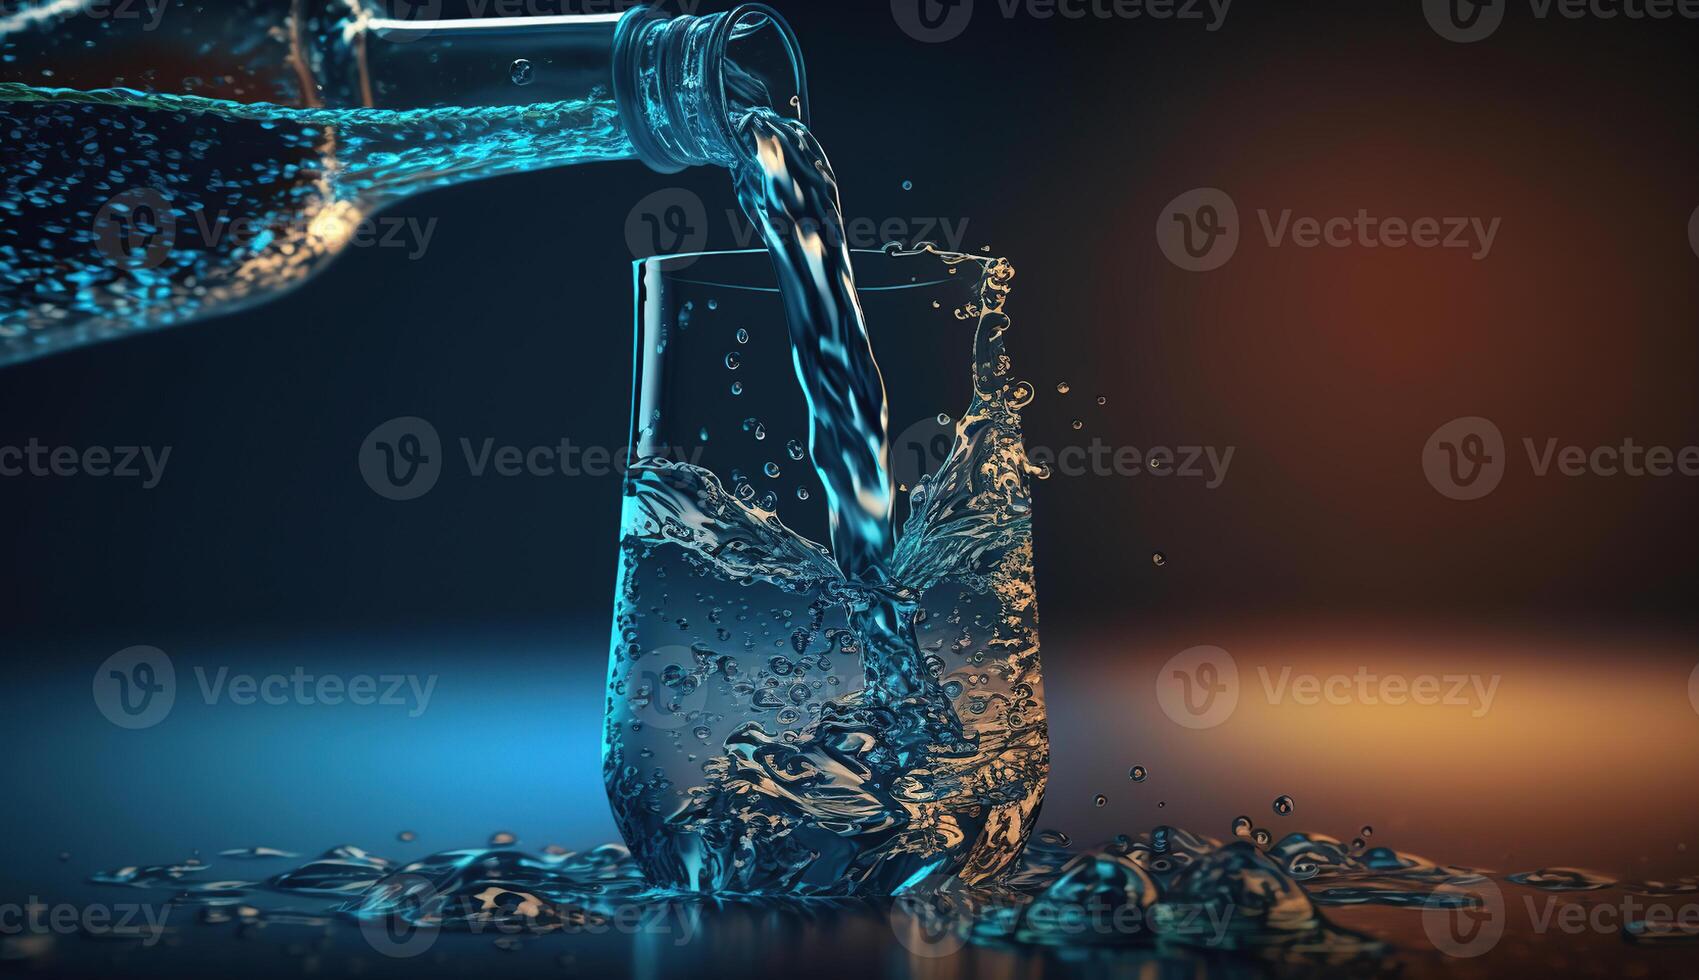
{"points": [[683, 82]]}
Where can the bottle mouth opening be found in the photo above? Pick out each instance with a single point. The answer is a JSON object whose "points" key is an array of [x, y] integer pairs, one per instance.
{"points": [[760, 64], [683, 83]]}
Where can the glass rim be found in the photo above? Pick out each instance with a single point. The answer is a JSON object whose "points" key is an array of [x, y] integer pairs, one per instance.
{"points": [[671, 265]]}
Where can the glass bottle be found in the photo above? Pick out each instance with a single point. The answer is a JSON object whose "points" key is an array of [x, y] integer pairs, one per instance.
{"points": [[164, 160]]}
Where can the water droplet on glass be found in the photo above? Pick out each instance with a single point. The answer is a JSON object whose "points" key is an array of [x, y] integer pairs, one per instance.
{"points": [[1159, 559], [1101, 800], [1242, 826], [1283, 805], [1137, 774], [794, 449], [733, 361], [1062, 388], [502, 838], [742, 336], [521, 72]]}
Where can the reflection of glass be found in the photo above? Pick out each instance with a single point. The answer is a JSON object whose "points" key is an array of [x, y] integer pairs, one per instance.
{"points": [[741, 753]]}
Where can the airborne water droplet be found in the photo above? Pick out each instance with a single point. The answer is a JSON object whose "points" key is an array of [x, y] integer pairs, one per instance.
{"points": [[1101, 800], [407, 837], [1137, 774], [737, 387], [503, 838], [1159, 559], [733, 361], [794, 449], [1062, 388], [1078, 425], [771, 469], [1262, 837], [802, 493], [944, 418], [1283, 805], [521, 72], [1242, 826], [742, 336], [908, 185]]}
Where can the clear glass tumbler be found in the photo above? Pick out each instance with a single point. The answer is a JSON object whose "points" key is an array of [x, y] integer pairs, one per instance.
{"points": [[750, 745]]}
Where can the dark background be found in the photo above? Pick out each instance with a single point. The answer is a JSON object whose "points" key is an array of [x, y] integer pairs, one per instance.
{"points": [[1060, 142]]}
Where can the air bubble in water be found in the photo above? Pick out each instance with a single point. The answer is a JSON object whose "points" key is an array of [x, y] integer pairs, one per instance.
{"points": [[1283, 805], [522, 72], [1137, 774]]}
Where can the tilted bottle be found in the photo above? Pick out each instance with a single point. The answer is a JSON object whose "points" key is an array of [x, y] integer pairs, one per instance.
{"points": [[163, 160]]}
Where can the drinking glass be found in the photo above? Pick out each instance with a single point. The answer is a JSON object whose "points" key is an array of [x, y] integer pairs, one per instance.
{"points": [[744, 750]]}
